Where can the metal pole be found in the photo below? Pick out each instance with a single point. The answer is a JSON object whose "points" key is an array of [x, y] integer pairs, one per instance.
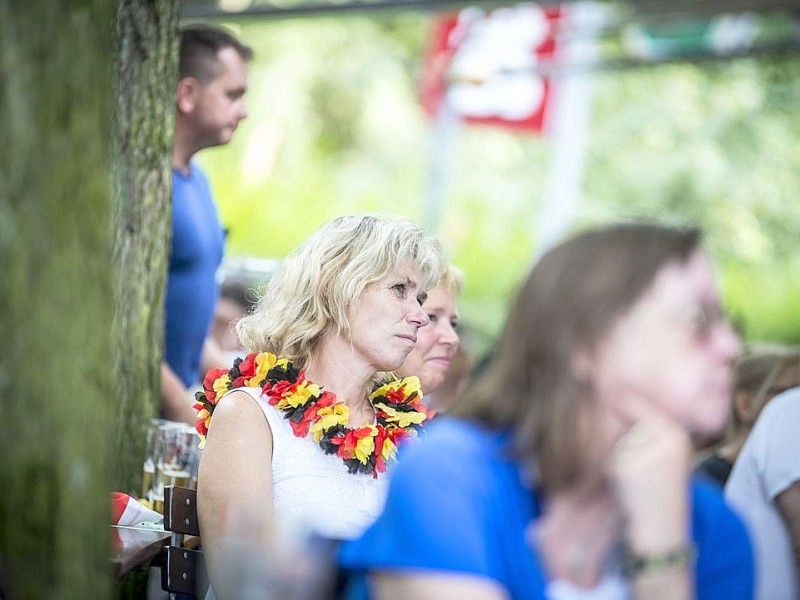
{"points": [[572, 104], [445, 133]]}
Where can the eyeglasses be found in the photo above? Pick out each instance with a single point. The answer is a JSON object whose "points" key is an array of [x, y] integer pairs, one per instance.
{"points": [[705, 319]]}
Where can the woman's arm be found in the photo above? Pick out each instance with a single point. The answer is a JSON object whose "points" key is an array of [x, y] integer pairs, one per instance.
{"points": [[176, 404], [650, 471], [788, 502], [234, 495], [434, 586]]}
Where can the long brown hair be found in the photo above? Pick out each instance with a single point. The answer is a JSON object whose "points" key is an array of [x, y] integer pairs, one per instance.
{"points": [[571, 298]]}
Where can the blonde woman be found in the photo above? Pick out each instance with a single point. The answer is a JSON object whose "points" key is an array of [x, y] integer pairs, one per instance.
{"points": [[438, 341], [299, 433]]}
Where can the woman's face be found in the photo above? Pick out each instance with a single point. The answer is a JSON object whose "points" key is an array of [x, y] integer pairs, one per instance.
{"points": [[437, 342], [386, 318], [673, 350]]}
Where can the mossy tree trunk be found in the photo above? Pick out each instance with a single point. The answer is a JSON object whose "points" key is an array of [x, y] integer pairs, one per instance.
{"points": [[56, 379], [146, 65], [84, 230]]}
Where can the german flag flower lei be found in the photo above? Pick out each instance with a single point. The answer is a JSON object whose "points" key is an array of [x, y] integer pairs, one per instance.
{"points": [[399, 411]]}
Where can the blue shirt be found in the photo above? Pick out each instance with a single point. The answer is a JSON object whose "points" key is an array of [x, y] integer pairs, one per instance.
{"points": [[458, 502], [192, 288]]}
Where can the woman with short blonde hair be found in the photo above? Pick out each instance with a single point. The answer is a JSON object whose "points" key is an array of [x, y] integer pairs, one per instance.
{"points": [[438, 342], [299, 433], [314, 290]]}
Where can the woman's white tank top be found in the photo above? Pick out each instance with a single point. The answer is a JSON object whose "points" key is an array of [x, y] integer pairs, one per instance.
{"points": [[312, 491]]}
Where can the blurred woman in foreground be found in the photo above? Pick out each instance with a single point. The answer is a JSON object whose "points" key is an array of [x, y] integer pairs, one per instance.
{"points": [[568, 471]]}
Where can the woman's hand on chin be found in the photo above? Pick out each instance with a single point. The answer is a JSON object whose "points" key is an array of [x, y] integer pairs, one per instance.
{"points": [[649, 471]]}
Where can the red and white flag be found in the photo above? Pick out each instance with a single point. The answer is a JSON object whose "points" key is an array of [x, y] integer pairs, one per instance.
{"points": [[129, 512]]}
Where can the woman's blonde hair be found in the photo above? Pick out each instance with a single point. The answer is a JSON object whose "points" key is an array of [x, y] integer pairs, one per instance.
{"points": [[317, 285], [452, 279], [571, 299]]}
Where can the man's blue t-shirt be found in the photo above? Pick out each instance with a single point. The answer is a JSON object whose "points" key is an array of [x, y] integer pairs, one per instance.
{"points": [[192, 287], [459, 503]]}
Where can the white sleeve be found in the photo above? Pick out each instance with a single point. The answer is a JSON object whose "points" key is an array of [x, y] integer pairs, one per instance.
{"points": [[611, 587], [779, 435]]}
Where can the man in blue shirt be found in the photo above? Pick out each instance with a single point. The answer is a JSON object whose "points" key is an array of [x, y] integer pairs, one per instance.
{"points": [[210, 104]]}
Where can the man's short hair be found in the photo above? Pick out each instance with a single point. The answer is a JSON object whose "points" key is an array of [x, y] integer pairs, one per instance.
{"points": [[200, 45]]}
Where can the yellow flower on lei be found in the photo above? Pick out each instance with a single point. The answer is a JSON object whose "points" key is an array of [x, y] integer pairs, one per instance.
{"points": [[365, 446], [264, 362], [389, 449], [406, 386], [329, 416], [305, 390], [204, 416], [401, 418], [299, 396], [221, 385]]}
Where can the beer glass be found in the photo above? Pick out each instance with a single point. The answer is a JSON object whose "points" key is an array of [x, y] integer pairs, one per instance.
{"points": [[149, 466], [165, 461]]}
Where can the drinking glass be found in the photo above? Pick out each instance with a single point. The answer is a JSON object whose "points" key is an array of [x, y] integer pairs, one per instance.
{"points": [[149, 465], [166, 461]]}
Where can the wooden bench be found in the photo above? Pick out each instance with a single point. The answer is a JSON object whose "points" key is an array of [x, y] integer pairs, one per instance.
{"points": [[183, 569]]}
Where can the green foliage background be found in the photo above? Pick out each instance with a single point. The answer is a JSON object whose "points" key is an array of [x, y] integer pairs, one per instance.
{"points": [[335, 127]]}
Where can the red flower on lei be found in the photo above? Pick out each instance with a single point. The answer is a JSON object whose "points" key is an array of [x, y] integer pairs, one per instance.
{"points": [[399, 411]]}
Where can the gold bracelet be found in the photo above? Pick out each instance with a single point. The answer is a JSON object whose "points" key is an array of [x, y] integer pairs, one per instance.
{"points": [[679, 557]]}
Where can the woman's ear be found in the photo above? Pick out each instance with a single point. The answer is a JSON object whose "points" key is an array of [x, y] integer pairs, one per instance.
{"points": [[188, 90]]}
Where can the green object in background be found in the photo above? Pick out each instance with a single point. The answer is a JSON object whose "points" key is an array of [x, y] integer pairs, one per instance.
{"points": [[661, 41], [696, 37]]}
